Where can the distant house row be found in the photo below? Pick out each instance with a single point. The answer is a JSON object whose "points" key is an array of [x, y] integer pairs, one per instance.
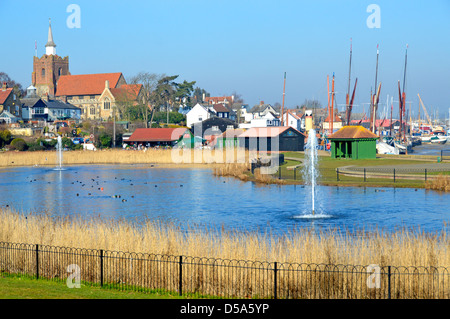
{"points": [[281, 138], [262, 115], [33, 108]]}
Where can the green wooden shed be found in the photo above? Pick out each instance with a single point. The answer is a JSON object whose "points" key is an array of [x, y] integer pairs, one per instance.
{"points": [[354, 142], [229, 138]]}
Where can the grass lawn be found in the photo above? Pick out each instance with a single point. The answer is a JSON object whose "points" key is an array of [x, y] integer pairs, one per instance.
{"points": [[24, 288], [327, 168]]}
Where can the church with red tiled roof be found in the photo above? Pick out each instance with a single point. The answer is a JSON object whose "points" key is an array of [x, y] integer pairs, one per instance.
{"points": [[98, 96]]}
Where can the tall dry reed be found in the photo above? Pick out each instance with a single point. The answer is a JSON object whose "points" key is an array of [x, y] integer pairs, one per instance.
{"points": [[440, 183], [117, 156], [225, 262], [399, 248]]}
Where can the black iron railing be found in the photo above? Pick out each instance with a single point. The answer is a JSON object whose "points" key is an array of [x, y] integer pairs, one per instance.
{"points": [[375, 175], [221, 278]]}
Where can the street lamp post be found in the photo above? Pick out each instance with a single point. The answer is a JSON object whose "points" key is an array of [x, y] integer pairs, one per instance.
{"points": [[114, 126]]}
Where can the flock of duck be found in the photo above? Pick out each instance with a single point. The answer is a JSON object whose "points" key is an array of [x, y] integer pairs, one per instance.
{"points": [[83, 184]]}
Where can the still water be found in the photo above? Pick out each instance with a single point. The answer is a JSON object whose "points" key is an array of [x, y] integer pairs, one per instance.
{"points": [[195, 197]]}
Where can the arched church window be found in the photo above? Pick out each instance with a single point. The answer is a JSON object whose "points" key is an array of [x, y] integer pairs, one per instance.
{"points": [[43, 72], [106, 104]]}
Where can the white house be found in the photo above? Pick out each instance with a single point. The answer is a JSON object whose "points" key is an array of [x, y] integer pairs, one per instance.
{"points": [[8, 118], [198, 113], [292, 120], [259, 111], [268, 120]]}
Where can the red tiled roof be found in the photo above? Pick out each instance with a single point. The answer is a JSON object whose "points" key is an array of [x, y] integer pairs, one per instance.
{"points": [[4, 94], [217, 99], [220, 108], [130, 91], [85, 84], [355, 131], [336, 118], [157, 134], [232, 132], [294, 115]]}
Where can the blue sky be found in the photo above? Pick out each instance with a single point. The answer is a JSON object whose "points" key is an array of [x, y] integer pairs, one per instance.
{"points": [[245, 46]]}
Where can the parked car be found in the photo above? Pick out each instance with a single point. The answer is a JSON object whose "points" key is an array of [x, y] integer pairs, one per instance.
{"points": [[78, 140]]}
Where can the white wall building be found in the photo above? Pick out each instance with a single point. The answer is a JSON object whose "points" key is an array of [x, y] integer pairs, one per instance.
{"points": [[268, 120], [292, 120], [198, 113]]}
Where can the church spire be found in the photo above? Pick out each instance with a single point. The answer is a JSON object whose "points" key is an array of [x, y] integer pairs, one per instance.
{"points": [[50, 47]]}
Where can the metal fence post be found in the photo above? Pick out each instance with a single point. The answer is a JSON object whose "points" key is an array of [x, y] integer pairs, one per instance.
{"points": [[425, 174], [337, 174], [101, 267], [295, 173], [364, 174], [180, 277], [37, 261], [389, 282], [394, 175], [275, 280], [279, 172]]}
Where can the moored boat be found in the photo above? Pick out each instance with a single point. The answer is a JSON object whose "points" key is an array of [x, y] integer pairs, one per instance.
{"points": [[438, 139]]}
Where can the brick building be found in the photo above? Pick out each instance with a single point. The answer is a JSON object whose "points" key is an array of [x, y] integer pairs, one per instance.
{"points": [[97, 95], [49, 68], [8, 100]]}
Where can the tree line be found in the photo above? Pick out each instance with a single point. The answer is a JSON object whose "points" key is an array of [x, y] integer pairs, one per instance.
{"points": [[162, 97]]}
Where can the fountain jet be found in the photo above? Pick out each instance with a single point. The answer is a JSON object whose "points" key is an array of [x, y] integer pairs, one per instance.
{"points": [[59, 153], [310, 165]]}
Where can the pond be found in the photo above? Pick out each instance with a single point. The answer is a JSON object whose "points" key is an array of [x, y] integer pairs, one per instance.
{"points": [[196, 197]]}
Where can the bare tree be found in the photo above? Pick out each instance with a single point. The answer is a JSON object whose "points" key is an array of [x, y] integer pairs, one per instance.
{"points": [[149, 82]]}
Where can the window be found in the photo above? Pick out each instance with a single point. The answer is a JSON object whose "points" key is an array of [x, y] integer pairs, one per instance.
{"points": [[215, 128], [69, 98], [92, 97], [92, 110], [43, 72], [80, 97], [38, 110], [60, 71], [106, 104]]}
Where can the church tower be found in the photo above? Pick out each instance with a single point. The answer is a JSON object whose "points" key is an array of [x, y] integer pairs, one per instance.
{"points": [[48, 68]]}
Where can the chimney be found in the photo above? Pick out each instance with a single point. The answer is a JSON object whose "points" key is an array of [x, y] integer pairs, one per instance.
{"points": [[4, 86], [261, 103], [203, 97], [107, 84], [45, 97]]}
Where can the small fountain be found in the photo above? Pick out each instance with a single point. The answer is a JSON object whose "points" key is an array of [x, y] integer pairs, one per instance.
{"points": [[59, 154], [310, 175], [310, 172]]}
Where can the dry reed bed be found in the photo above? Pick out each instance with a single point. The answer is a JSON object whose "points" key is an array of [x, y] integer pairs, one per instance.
{"points": [[153, 156], [242, 172], [440, 183], [228, 263]]}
